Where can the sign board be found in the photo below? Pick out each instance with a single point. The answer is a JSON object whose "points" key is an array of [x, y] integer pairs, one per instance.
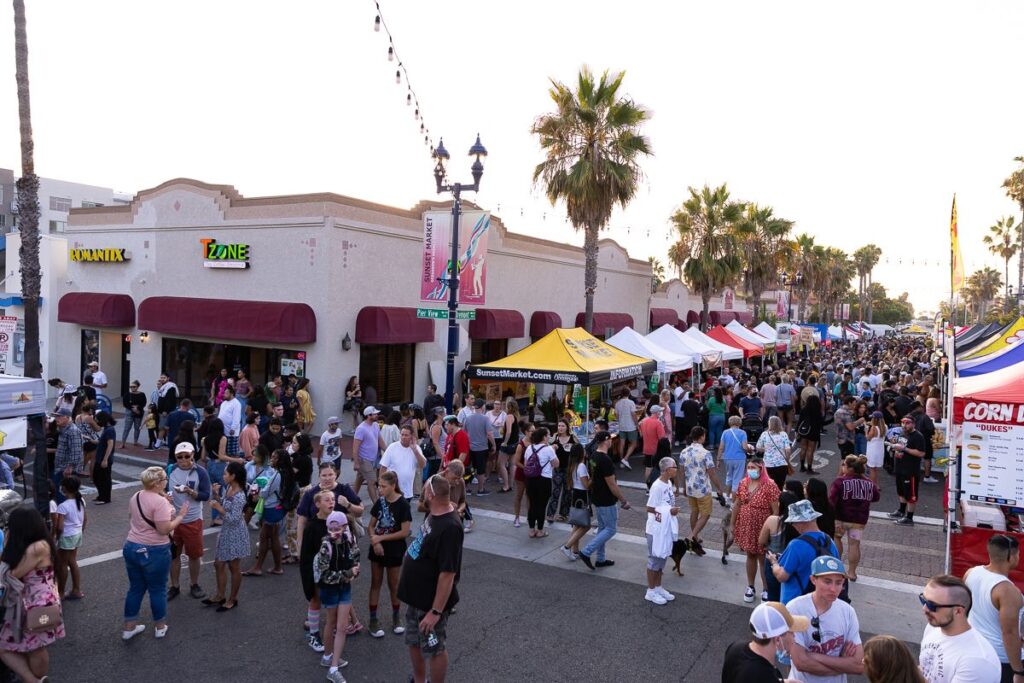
{"points": [[13, 433], [218, 255], [435, 264], [992, 452], [110, 255], [442, 314], [806, 336], [8, 325], [293, 366]]}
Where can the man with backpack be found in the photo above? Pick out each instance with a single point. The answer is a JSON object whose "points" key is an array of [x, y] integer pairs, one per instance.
{"points": [[793, 568]]}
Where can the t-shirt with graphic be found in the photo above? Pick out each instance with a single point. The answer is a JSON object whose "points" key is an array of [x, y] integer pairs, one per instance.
{"points": [[390, 517], [331, 444], [696, 461], [951, 659], [437, 548], [662, 493], [838, 625], [600, 466]]}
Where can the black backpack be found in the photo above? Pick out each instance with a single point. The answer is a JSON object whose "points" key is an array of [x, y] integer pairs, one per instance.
{"points": [[821, 547]]}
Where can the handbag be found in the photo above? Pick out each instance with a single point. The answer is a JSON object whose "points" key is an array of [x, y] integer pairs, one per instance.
{"points": [[580, 513], [804, 428], [43, 618]]}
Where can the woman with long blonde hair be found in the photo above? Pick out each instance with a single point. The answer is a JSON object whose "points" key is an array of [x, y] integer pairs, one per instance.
{"points": [[509, 444]]}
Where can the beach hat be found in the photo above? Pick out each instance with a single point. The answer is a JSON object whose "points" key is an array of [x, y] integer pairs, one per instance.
{"points": [[333, 421], [802, 511]]}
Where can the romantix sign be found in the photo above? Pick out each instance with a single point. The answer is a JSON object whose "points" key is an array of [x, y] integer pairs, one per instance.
{"points": [[219, 255], [100, 255]]}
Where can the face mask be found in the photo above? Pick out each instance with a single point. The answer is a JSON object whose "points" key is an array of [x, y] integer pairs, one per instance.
{"points": [[754, 474]]}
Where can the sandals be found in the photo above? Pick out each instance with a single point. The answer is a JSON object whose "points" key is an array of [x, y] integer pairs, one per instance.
{"points": [[276, 572], [224, 608], [290, 560], [252, 573], [210, 601]]}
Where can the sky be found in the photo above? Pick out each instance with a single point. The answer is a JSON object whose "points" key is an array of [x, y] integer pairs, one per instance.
{"points": [[857, 120]]}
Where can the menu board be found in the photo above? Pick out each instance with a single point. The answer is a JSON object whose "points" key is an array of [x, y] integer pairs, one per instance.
{"points": [[993, 463]]}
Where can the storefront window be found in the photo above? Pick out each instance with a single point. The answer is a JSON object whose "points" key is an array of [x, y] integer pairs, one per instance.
{"points": [[193, 365], [487, 350], [386, 370], [90, 349]]}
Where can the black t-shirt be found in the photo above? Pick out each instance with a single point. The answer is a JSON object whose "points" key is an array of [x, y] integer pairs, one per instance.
{"points": [[906, 464], [272, 441], [903, 405], [691, 411], [926, 426], [312, 536], [600, 466], [437, 548], [743, 665], [390, 517], [303, 466]]}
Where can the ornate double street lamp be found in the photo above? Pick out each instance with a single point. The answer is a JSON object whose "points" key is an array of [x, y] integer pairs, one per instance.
{"points": [[441, 177]]}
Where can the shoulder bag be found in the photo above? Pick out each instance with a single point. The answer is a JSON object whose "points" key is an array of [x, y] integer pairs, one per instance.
{"points": [[580, 513]]}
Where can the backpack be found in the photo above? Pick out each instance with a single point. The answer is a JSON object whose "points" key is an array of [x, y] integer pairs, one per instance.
{"points": [[333, 568], [290, 500], [532, 468], [821, 547]]}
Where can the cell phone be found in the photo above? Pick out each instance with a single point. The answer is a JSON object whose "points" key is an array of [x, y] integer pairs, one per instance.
{"points": [[180, 488]]}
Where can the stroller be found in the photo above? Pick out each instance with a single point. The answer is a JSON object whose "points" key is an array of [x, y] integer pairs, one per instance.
{"points": [[753, 426]]}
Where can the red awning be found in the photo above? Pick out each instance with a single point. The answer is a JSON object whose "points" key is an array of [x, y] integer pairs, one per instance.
{"points": [[715, 317], [255, 321], [663, 316], [745, 317], [720, 334], [496, 323], [392, 325], [692, 318], [602, 321], [542, 322], [99, 310]]}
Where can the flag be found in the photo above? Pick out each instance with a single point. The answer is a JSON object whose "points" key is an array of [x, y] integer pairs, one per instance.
{"points": [[957, 260]]}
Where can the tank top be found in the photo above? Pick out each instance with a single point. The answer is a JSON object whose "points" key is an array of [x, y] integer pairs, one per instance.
{"points": [[777, 540], [984, 616]]}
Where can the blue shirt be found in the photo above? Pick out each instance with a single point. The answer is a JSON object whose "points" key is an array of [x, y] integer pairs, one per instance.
{"points": [[734, 439], [796, 560]]}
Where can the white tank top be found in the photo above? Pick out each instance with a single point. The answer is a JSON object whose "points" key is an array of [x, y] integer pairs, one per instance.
{"points": [[984, 616]]}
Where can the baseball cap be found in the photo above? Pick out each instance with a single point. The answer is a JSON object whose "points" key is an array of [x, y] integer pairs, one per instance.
{"points": [[370, 410], [94, 364], [772, 619], [336, 519], [826, 564], [877, 415], [333, 420], [184, 447], [656, 410]]}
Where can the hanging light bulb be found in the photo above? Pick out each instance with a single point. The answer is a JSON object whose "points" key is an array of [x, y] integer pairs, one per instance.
{"points": [[408, 100], [398, 76], [417, 115], [391, 53], [422, 128], [376, 24]]}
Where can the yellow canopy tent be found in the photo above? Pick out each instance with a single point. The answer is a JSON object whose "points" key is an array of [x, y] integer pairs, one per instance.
{"points": [[565, 356], [999, 341], [915, 329]]}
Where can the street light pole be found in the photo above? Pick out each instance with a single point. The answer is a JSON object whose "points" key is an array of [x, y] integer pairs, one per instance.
{"points": [[442, 156]]}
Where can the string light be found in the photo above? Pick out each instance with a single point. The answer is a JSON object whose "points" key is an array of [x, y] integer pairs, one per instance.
{"points": [[391, 54], [376, 24]]}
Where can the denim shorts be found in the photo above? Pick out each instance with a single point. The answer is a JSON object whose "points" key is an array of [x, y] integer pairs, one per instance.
{"points": [[335, 594]]}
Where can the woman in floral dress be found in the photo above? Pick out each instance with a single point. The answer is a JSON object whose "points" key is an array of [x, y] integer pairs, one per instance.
{"points": [[756, 500], [233, 542], [29, 553]]}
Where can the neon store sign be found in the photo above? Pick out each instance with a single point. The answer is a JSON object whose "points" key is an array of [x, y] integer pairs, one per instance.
{"points": [[219, 255]]}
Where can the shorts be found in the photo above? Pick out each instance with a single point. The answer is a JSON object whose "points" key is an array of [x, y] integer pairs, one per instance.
{"points": [[846, 448], [631, 436], [907, 486], [702, 505], [72, 542], [852, 529], [163, 421], [648, 460], [232, 445], [188, 536], [273, 515], [654, 564], [368, 470], [335, 594], [430, 644], [478, 460]]}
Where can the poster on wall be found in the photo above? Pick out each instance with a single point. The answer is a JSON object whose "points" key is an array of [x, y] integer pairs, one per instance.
{"points": [[293, 366], [474, 227], [727, 298], [782, 305], [993, 453]]}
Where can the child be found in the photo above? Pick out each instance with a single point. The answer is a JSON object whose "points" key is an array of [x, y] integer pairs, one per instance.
{"points": [[454, 474], [69, 523], [336, 564], [152, 420]]}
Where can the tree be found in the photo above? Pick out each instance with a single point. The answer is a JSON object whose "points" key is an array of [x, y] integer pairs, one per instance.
{"points": [[28, 254], [657, 272], [1003, 241], [706, 222], [677, 254], [838, 270], [982, 287], [806, 255], [861, 258], [873, 255], [592, 145], [762, 238], [1014, 185]]}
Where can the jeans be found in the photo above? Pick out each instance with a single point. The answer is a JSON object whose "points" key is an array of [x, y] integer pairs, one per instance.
{"points": [[607, 520], [735, 470], [716, 425], [860, 444], [129, 422], [216, 472], [147, 567]]}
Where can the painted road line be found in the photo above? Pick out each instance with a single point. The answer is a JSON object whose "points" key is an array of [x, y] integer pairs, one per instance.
{"points": [[116, 554]]}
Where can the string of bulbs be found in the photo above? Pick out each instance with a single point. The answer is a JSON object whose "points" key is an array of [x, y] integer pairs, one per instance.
{"points": [[411, 98]]}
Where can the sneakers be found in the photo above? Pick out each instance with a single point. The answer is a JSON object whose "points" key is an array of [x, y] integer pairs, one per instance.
{"points": [[374, 629], [128, 635], [160, 632], [905, 521], [654, 596], [568, 553], [604, 563], [314, 642], [173, 592], [397, 629], [896, 514], [625, 465], [665, 594], [467, 527], [196, 592], [334, 675], [483, 492], [586, 561], [930, 480], [748, 595], [516, 523], [764, 596], [325, 662]]}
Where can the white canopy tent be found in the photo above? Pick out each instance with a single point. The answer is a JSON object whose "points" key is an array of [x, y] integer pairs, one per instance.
{"points": [[753, 337], [767, 331], [703, 341], [629, 340], [674, 341]]}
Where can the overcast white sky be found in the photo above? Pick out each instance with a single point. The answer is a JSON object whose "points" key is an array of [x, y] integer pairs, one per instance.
{"points": [[858, 120]]}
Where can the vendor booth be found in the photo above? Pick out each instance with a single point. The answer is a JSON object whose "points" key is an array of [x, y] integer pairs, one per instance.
{"points": [[669, 337], [979, 336], [629, 340], [769, 332], [706, 343], [737, 330], [723, 336], [1008, 336]]}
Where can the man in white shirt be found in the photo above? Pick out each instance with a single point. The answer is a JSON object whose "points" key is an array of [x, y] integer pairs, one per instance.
{"points": [[403, 457], [230, 414], [952, 651], [831, 648], [997, 604], [329, 449], [467, 409], [99, 378]]}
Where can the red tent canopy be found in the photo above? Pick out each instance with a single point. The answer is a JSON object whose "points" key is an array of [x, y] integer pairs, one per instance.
{"points": [[720, 334]]}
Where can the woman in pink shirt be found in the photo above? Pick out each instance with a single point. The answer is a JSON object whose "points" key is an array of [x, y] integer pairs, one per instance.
{"points": [[249, 438]]}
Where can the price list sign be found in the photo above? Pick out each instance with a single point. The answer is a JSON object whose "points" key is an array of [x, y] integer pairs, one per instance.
{"points": [[992, 455]]}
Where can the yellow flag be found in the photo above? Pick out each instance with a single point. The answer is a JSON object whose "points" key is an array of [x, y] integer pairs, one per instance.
{"points": [[957, 260]]}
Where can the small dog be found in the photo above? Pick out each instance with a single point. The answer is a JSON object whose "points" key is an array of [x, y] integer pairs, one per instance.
{"points": [[727, 537], [679, 548]]}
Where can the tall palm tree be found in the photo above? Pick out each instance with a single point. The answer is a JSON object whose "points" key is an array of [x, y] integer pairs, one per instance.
{"points": [[1003, 241], [706, 222], [1014, 185], [806, 260], [657, 272], [762, 238], [983, 287], [861, 261], [592, 145], [834, 274], [677, 255], [874, 254], [28, 254]]}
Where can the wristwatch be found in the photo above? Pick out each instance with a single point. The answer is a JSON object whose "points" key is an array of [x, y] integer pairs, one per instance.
{"points": [[436, 612]]}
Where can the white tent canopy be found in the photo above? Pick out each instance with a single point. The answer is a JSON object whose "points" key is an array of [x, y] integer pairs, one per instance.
{"points": [[753, 337], [767, 331], [702, 340], [674, 341], [629, 340]]}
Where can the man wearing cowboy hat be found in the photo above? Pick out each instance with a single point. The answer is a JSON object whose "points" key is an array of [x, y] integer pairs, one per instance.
{"points": [[793, 568]]}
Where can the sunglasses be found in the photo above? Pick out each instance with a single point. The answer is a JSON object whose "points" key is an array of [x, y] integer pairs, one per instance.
{"points": [[934, 606], [816, 625], [183, 457]]}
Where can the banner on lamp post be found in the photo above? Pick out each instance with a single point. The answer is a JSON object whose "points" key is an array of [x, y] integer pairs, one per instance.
{"points": [[474, 227], [781, 305]]}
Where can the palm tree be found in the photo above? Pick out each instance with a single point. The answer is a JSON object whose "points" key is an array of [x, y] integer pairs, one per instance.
{"points": [[1014, 185], [861, 261], [1003, 241], [28, 224], [706, 222], [836, 272], [762, 238], [806, 260], [657, 272], [592, 145], [874, 254], [982, 287], [677, 255]]}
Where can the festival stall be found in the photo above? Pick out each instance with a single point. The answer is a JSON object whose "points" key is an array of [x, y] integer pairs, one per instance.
{"points": [[669, 337], [767, 345], [723, 336], [706, 343], [1008, 336], [1011, 354], [629, 340], [769, 332], [979, 335]]}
